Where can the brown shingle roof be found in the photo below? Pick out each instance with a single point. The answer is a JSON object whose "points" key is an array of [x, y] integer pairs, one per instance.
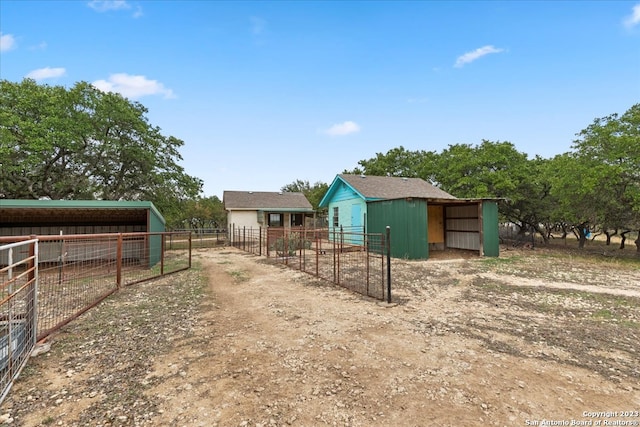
{"points": [[265, 200], [389, 187]]}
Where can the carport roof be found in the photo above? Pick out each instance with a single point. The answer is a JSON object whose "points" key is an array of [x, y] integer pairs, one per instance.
{"points": [[42, 212]]}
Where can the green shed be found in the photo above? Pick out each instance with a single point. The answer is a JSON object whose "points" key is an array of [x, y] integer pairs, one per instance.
{"points": [[419, 226], [422, 217], [55, 217]]}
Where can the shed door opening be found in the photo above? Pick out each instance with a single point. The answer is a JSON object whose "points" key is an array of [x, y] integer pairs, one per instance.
{"points": [[435, 227]]}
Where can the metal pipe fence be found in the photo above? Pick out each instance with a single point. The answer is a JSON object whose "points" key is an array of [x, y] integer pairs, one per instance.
{"points": [[77, 272], [18, 301], [354, 260]]}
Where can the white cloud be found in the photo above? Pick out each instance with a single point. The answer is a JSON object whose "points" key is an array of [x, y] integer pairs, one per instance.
{"points": [[633, 19], [106, 5], [344, 128], [46, 73], [41, 46], [7, 42], [132, 86], [476, 54]]}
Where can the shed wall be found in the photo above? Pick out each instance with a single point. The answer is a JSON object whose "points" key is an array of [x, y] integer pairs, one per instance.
{"points": [[67, 217], [462, 227], [408, 222], [491, 238]]}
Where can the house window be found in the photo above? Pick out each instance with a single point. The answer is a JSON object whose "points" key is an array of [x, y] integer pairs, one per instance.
{"points": [[275, 220], [336, 221], [297, 220]]}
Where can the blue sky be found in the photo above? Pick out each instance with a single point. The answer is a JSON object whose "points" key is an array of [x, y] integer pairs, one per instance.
{"points": [[264, 93]]}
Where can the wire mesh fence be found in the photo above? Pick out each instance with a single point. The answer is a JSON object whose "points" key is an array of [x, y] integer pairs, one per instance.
{"points": [[76, 272], [201, 238], [355, 260], [18, 299]]}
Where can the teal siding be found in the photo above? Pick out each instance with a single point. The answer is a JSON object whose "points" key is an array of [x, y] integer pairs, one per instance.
{"points": [[490, 236], [344, 212], [408, 222], [343, 192], [356, 215], [352, 210]]}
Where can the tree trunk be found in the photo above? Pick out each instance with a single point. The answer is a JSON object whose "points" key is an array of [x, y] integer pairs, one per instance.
{"points": [[623, 235], [609, 235], [582, 235], [637, 242], [542, 232]]}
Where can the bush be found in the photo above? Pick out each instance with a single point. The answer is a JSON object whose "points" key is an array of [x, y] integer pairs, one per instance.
{"points": [[288, 245]]}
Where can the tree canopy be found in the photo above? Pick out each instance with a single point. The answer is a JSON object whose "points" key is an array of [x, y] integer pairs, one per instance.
{"points": [[313, 193], [595, 187], [82, 143]]}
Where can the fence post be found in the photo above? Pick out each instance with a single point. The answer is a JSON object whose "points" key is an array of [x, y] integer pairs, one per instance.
{"points": [[266, 241], [285, 245], [162, 254], [339, 252], [32, 277], [334, 256], [388, 242], [119, 261], [366, 249], [190, 249], [244, 238], [61, 260], [317, 254], [260, 240], [301, 244]]}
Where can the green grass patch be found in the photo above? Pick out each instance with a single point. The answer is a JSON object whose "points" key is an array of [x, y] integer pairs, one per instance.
{"points": [[603, 314], [239, 276], [497, 261], [629, 324], [170, 265]]}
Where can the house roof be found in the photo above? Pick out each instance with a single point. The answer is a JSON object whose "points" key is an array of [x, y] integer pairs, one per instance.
{"points": [[266, 200], [372, 188]]}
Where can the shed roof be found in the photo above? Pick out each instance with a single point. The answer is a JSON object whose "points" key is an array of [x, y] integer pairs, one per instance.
{"points": [[372, 188], [14, 211], [266, 200]]}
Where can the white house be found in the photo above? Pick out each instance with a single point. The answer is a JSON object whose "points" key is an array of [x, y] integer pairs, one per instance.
{"points": [[255, 209]]}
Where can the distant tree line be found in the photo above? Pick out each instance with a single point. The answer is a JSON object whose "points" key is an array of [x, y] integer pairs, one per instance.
{"points": [[595, 188], [82, 143]]}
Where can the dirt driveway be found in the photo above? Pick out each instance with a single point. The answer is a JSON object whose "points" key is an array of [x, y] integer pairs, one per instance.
{"points": [[471, 342]]}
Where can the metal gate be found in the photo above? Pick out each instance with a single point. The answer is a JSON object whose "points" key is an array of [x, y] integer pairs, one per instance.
{"points": [[18, 295]]}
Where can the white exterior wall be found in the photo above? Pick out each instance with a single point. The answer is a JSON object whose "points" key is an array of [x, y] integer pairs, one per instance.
{"points": [[240, 219]]}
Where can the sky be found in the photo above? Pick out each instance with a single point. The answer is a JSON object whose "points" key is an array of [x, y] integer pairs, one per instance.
{"points": [[266, 93]]}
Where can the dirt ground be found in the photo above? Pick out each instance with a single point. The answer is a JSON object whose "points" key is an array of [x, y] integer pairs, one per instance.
{"points": [[529, 337]]}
